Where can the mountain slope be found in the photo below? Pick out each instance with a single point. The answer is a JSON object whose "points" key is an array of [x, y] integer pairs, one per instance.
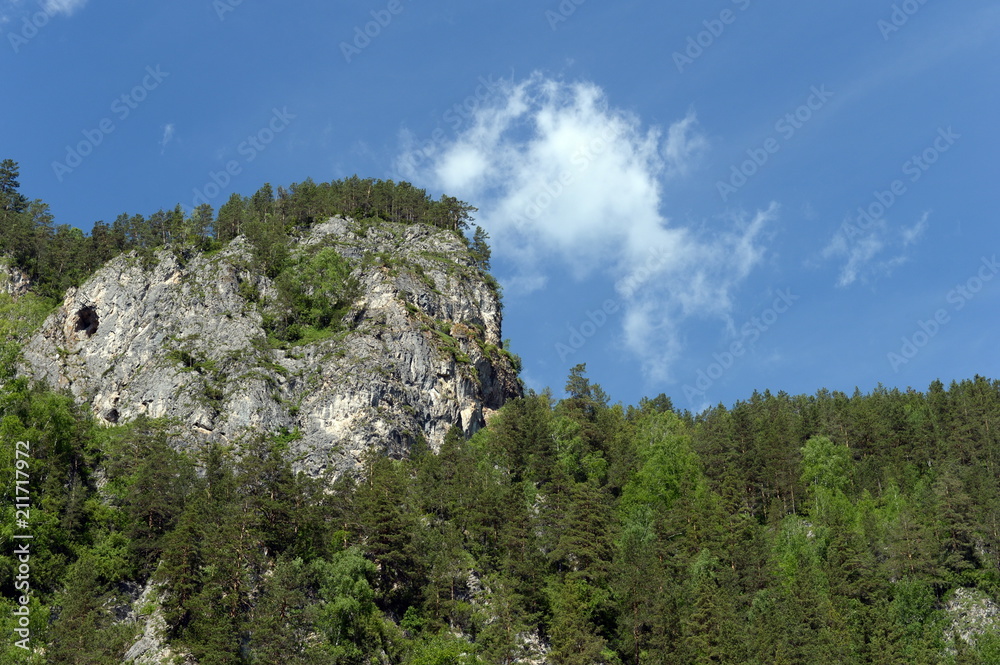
{"points": [[415, 350]]}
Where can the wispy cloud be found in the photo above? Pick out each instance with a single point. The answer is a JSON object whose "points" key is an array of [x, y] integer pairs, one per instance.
{"points": [[874, 252], [559, 174], [684, 145], [912, 234], [168, 136], [16, 9], [8, 9], [64, 7]]}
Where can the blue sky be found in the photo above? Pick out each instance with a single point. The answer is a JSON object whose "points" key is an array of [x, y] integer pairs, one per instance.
{"points": [[697, 199]]}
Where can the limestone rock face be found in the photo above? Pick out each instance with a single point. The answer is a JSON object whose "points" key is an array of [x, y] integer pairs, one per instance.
{"points": [[151, 647], [972, 613], [13, 280], [182, 337]]}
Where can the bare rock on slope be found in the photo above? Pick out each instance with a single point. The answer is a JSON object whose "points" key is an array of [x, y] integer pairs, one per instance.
{"points": [[183, 338]]}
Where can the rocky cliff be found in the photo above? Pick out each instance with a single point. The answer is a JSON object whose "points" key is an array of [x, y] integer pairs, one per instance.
{"points": [[972, 614], [182, 337], [13, 280]]}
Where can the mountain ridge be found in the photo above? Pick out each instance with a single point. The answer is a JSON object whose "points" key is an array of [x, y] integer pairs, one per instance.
{"points": [[182, 335]]}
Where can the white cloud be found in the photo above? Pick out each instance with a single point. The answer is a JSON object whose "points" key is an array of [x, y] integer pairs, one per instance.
{"points": [[168, 135], [18, 9], [911, 235], [681, 277], [559, 174], [864, 251], [64, 7], [859, 256], [683, 146]]}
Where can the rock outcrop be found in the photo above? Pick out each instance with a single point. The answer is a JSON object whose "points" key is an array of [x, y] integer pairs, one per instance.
{"points": [[152, 646], [182, 337], [13, 280], [972, 614]]}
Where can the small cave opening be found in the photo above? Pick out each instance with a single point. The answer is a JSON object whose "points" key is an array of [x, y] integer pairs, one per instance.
{"points": [[87, 321], [112, 416]]}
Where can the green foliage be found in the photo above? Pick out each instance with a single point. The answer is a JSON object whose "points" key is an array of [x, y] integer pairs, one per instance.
{"points": [[668, 468], [515, 360], [86, 631], [442, 649], [348, 615], [18, 320], [825, 464], [38, 631], [479, 250], [316, 289], [57, 257], [11, 200], [783, 530], [575, 638]]}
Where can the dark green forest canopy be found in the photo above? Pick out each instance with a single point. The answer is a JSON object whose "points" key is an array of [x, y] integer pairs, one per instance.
{"points": [[57, 257], [826, 528]]}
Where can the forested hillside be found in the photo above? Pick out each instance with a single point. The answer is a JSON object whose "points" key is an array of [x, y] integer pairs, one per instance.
{"points": [[826, 528], [56, 257]]}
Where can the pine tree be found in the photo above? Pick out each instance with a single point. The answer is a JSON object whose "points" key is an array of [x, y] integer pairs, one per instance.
{"points": [[638, 584], [284, 616], [575, 639], [502, 621], [583, 548], [480, 250], [84, 633], [232, 220], [181, 568], [387, 531], [11, 200], [708, 622], [201, 227], [157, 495]]}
